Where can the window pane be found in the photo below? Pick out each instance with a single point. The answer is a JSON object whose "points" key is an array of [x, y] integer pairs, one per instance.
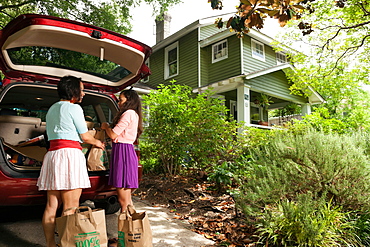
{"points": [[60, 58], [172, 55]]}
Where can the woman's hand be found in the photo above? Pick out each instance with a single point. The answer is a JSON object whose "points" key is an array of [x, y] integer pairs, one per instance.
{"points": [[104, 126], [99, 144]]}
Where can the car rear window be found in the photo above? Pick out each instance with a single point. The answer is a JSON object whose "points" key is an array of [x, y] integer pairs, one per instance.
{"points": [[66, 59]]}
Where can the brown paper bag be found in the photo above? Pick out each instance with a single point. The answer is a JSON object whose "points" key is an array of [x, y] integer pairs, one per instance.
{"points": [[97, 159], [134, 229], [87, 228]]}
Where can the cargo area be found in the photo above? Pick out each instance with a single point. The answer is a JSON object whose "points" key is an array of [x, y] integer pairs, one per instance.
{"points": [[23, 126]]}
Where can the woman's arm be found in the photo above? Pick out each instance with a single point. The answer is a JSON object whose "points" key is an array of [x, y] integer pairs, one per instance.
{"points": [[108, 130], [89, 139]]}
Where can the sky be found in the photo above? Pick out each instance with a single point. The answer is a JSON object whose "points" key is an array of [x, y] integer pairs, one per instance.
{"points": [[182, 15]]}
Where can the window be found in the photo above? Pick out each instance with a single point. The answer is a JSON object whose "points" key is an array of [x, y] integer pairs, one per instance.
{"points": [[280, 58], [219, 51], [258, 50], [146, 79], [171, 60], [81, 62]]}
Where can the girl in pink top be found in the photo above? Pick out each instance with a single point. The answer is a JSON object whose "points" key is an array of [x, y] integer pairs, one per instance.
{"points": [[125, 129]]}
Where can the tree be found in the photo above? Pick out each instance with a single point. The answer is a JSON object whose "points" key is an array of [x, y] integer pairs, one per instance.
{"points": [[112, 15], [331, 38], [337, 30]]}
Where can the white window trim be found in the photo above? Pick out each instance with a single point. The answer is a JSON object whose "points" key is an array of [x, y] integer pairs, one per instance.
{"points": [[166, 69], [283, 54], [253, 49], [214, 60]]}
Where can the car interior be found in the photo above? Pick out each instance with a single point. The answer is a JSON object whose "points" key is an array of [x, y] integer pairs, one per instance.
{"points": [[23, 111]]}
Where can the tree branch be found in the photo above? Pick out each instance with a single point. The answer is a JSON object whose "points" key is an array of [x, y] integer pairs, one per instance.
{"points": [[16, 5]]}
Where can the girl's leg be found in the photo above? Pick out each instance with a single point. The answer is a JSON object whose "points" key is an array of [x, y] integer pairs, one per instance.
{"points": [[124, 198], [48, 219]]}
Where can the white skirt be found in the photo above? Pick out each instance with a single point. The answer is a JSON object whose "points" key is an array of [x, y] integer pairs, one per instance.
{"points": [[64, 169]]}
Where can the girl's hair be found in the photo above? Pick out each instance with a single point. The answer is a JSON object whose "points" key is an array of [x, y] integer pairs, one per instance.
{"points": [[133, 102], [69, 87]]}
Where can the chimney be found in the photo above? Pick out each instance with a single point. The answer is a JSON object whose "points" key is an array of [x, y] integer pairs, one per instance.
{"points": [[162, 27]]}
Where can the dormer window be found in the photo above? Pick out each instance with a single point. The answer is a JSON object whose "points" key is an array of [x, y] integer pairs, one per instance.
{"points": [[280, 58], [258, 50], [219, 51]]}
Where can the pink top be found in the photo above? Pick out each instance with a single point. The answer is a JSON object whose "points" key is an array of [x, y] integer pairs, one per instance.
{"points": [[126, 128]]}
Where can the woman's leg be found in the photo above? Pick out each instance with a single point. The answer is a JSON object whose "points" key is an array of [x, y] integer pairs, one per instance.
{"points": [[70, 199], [124, 198], [48, 219]]}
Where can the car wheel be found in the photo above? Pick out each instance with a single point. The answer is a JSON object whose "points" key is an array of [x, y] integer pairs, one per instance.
{"points": [[110, 205]]}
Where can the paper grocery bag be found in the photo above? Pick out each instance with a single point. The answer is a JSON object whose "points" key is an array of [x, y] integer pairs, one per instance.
{"points": [[134, 229], [97, 159], [83, 228]]}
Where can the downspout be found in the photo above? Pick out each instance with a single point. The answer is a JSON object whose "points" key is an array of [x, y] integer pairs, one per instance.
{"points": [[241, 56], [199, 55]]}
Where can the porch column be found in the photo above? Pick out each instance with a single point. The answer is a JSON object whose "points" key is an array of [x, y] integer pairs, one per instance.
{"points": [[306, 109], [243, 104]]}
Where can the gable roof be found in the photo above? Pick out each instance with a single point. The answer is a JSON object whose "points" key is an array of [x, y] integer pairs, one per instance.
{"points": [[222, 34]]}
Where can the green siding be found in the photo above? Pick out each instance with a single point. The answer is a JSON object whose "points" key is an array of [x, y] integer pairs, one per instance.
{"points": [[156, 65], [208, 31], [274, 84], [224, 69], [187, 62], [251, 64]]}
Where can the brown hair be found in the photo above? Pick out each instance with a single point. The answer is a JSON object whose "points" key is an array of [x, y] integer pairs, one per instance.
{"points": [[69, 87], [133, 102]]}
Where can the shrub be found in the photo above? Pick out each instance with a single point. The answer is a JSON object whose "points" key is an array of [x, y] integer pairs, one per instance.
{"points": [[189, 130], [330, 164], [299, 180], [306, 222]]}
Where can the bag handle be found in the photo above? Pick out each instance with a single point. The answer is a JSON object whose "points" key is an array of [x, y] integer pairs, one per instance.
{"points": [[68, 209], [91, 217]]}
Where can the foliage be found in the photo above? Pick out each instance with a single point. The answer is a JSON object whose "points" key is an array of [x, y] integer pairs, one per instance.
{"points": [[112, 15], [149, 158], [191, 131], [287, 110], [251, 13], [307, 188], [362, 227], [333, 58], [222, 175], [314, 162], [319, 121], [306, 222]]}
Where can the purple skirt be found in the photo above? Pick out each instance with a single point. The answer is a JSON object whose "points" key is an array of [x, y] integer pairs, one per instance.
{"points": [[124, 166]]}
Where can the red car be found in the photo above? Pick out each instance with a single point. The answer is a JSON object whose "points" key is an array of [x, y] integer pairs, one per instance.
{"points": [[36, 51]]}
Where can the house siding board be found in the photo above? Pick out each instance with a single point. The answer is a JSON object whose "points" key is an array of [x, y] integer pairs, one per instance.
{"points": [[204, 64], [251, 64], [228, 67], [274, 84], [187, 60], [156, 64], [208, 31]]}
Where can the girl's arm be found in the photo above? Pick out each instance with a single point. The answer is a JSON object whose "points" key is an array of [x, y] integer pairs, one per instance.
{"points": [[108, 130]]}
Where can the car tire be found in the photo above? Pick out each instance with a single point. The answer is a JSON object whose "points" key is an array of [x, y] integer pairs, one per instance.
{"points": [[110, 205]]}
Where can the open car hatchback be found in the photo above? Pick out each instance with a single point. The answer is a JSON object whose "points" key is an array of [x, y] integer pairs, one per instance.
{"points": [[36, 51]]}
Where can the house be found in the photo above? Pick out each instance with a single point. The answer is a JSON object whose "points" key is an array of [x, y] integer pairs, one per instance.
{"points": [[245, 72]]}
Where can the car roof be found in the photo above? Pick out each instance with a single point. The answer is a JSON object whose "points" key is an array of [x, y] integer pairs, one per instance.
{"points": [[40, 48]]}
